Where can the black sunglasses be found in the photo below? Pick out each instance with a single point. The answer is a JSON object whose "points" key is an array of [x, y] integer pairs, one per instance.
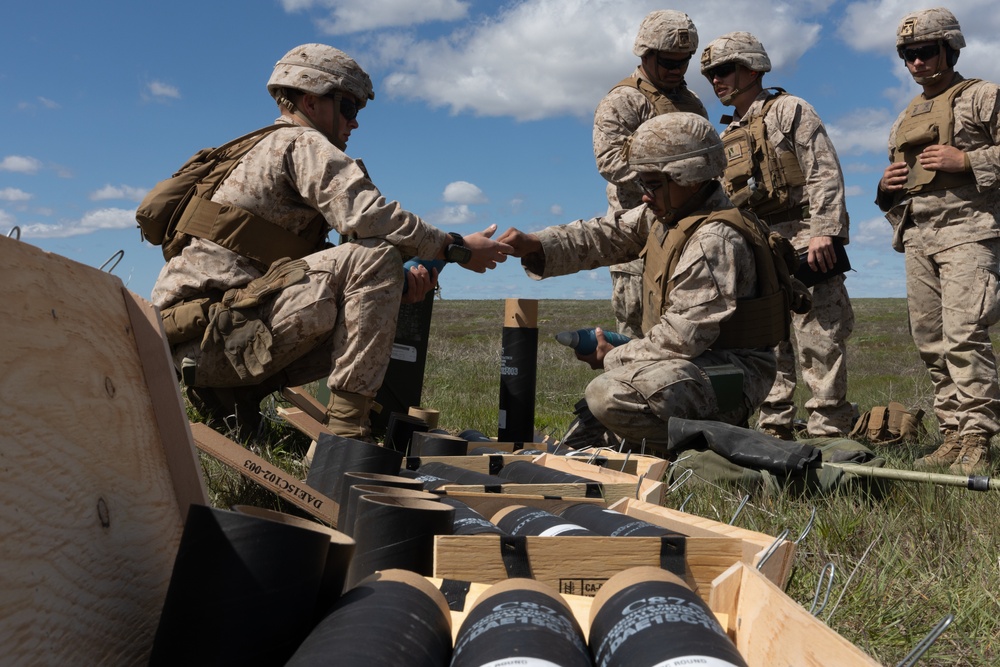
{"points": [[668, 63], [649, 187], [720, 71], [924, 53], [348, 108]]}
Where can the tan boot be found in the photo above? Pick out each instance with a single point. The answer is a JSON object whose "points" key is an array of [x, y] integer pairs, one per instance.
{"points": [[347, 415], [974, 457], [944, 455]]}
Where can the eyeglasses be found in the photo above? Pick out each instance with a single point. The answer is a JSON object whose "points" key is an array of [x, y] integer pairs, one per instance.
{"points": [[668, 63], [649, 187], [923, 53], [720, 71]]}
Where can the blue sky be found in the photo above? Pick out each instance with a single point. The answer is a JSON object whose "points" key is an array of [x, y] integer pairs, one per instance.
{"points": [[483, 110]]}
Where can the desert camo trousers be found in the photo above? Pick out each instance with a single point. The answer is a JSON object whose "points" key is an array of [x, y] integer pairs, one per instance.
{"points": [[637, 400], [953, 299], [338, 323], [820, 350], [626, 297]]}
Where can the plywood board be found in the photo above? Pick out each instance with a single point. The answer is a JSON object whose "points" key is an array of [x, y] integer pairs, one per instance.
{"points": [[98, 466]]}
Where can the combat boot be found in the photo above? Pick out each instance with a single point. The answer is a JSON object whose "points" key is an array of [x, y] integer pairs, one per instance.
{"points": [[944, 455], [347, 415], [974, 457]]}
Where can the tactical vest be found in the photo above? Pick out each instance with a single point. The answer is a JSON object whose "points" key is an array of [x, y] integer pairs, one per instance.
{"points": [[180, 208], [756, 177], [761, 321], [660, 101], [926, 122]]}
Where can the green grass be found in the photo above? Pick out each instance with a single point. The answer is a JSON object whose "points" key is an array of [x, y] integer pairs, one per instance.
{"points": [[913, 556]]}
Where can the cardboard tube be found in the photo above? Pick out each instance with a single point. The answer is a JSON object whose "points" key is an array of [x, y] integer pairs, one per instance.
{"points": [[428, 415], [518, 371]]}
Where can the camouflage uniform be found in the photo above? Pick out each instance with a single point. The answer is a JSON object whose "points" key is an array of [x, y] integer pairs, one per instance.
{"points": [[339, 322], [618, 115], [821, 334], [951, 239], [648, 381]]}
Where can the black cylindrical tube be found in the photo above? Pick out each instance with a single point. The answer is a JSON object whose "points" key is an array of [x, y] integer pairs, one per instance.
{"points": [[520, 622], [437, 444], [603, 521], [396, 533], [338, 558], [335, 455], [393, 618], [232, 571], [353, 478], [526, 472], [518, 371], [472, 435], [460, 475], [350, 506], [517, 520], [648, 616], [468, 521]]}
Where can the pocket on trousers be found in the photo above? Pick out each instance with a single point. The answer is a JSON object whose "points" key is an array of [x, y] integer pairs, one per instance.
{"points": [[988, 283]]}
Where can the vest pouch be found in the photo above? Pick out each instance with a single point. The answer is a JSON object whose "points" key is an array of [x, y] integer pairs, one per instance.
{"points": [[910, 146], [162, 205], [760, 322]]}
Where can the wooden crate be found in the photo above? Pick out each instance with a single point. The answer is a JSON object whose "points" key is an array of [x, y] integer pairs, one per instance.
{"points": [[777, 567], [99, 467], [772, 630]]}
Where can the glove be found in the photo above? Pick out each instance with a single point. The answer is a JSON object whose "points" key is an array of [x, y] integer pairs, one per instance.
{"points": [[282, 273], [245, 339]]}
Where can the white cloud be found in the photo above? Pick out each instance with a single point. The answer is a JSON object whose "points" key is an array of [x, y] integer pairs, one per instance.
{"points": [[6, 219], [872, 232], [463, 192], [20, 164], [347, 16], [452, 215], [854, 191], [119, 192], [861, 131], [556, 210], [93, 221], [543, 58], [158, 90], [43, 102], [14, 195]]}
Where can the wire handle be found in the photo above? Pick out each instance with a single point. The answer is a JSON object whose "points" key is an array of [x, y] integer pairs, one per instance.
{"points": [[115, 258], [817, 610], [928, 641]]}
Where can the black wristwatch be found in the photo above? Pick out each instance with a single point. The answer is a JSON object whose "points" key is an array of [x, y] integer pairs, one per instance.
{"points": [[456, 250]]}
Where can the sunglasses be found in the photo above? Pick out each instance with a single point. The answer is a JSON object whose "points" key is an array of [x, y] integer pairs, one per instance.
{"points": [[668, 63], [923, 53], [649, 187], [720, 71], [348, 108]]}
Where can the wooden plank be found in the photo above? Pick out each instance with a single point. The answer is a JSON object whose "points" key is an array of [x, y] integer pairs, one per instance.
{"points": [[271, 477], [772, 629], [579, 565], [777, 568], [306, 402], [651, 467], [89, 517], [303, 422], [618, 485], [610, 493]]}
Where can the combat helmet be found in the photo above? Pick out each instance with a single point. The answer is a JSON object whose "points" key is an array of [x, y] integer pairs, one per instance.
{"points": [[930, 25], [682, 145], [741, 48], [320, 69], [666, 30]]}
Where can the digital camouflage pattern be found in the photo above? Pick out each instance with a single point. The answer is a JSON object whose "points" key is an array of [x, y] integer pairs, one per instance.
{"points": [[346, 308], [928, 25], [665, 30], [741, 48], [951, 239], [320, 69], [821, 334], [648, 381], [618, 115]]}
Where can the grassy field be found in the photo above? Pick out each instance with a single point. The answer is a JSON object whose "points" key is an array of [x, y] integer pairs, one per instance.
{"points": [[902, 561]]}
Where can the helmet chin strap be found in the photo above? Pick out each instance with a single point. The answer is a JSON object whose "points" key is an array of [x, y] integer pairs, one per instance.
{"points": [[727, 100], [941, 69], [334, 136]]}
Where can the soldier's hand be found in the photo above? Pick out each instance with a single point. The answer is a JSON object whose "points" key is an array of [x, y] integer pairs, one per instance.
{"points": [[486, 253], [822, 253], [596, 358], [943, 158], [521, 244], [419, 281], [894, 177]]}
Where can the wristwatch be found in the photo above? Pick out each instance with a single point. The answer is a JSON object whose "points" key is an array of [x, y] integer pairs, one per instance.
{"points": [[456, 250]]}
